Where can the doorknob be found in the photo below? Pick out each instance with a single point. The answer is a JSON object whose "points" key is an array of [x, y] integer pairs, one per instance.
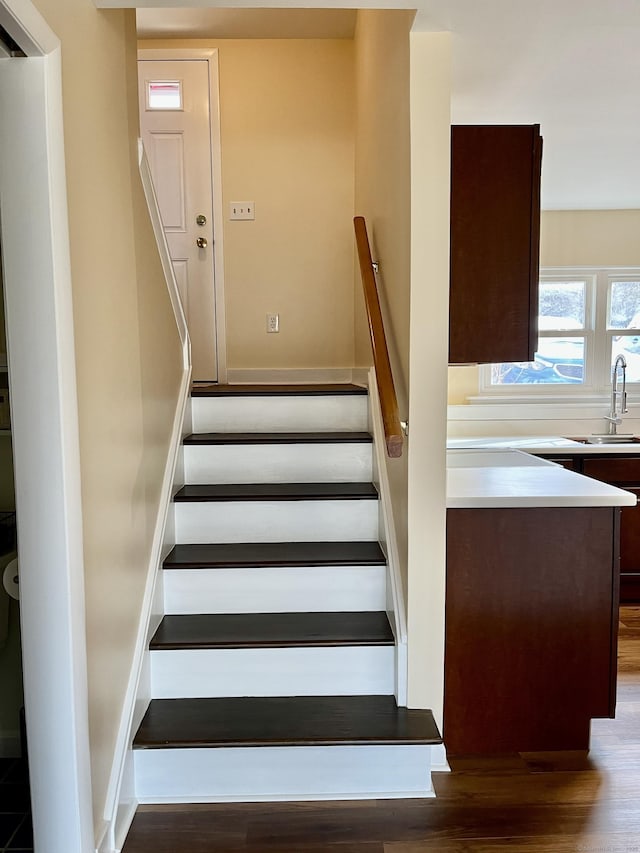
{"points": [[201, 242]]}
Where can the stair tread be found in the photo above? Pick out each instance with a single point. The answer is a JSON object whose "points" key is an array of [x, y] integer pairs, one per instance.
{"points": [[314, 390], [278, 438], [277, 491], [265, 554], [283, 721], [272, 630]]}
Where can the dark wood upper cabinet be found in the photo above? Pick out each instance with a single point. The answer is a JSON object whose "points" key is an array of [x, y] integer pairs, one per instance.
{"points": [[495, 242]]}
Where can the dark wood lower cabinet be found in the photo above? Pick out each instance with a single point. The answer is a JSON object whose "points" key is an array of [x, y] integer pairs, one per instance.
{"points": [[624, 472], [630, 550], [531, 627]]}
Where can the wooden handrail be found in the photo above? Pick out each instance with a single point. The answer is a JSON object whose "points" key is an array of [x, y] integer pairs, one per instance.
{"points": [[393, 435]]}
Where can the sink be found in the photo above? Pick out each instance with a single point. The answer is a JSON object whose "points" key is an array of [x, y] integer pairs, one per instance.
{"points": [[621, 438]]}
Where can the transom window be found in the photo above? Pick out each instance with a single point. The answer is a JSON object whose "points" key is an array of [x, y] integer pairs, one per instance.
{"points": [[164, 94], [586, 318]]}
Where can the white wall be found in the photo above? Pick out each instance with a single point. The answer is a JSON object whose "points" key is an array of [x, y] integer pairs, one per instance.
{"points": [[430, 189]]}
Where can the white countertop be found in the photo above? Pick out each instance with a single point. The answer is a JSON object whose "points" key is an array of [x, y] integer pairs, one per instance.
{"points": [[503, 478], [549, 444]]}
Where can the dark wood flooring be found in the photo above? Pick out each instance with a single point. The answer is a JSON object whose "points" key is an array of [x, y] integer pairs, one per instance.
{"points": [[522, 803]]}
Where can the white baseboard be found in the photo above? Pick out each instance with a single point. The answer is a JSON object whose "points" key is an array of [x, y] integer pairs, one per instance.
{"points": [[439, 762], [360, 376], [138, 685], [396, 606], [289, 375], [425, 794]]}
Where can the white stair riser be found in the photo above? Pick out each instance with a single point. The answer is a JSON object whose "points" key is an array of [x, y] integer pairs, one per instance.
{"points": [[232, 774], [278, 463], [280, 414], [333, 671], [286, 589], [276, 521]]}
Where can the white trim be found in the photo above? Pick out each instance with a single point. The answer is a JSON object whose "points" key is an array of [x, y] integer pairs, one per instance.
{"points": [[483, 409], [118, 803], [27, 27], [165, 258], [210, 55], [439, 761], [360, 376], [424, 794], [289, 375], [46, 449], [134, 704], [395, 593]]}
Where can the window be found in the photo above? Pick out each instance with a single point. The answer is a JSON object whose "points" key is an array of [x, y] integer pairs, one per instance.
{"points": [[586, 318], [164, 94]]}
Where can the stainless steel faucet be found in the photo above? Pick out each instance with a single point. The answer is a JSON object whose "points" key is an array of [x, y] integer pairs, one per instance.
{"points": [[614, 418]]}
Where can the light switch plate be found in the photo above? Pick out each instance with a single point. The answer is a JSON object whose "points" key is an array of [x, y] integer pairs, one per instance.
{"points": [[242, 210]]}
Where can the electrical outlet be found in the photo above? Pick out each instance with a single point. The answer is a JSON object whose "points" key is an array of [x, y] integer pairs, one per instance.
{"points": [[242, 210], [273, 323]]}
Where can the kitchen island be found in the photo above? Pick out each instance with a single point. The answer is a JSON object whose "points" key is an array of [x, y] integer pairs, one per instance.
{"points": [[531, 603]]}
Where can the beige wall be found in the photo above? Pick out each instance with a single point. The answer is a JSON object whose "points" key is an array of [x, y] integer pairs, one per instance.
{"points": [[383, 197], [127, 350], [590, 238], [287, 128], [596, 238]]}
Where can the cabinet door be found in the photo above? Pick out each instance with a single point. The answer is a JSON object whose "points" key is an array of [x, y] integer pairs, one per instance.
{"points": [[495, 243], [623, 471], [630, 550]]}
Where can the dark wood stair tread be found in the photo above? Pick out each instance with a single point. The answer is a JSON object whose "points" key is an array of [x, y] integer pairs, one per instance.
{"points": [[276, 554], [272, 630], [312, 390], [207, 438], [277, 491], [283, 721]]}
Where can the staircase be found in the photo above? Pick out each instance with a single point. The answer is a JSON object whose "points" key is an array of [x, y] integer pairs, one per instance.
{"points": [[273, 671]]}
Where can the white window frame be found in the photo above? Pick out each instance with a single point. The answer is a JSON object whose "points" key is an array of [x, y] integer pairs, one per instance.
{"points": [[596, 336]]}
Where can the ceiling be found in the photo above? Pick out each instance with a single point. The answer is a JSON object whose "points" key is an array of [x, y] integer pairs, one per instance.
{"points": [[573, 66], [247, 23]]}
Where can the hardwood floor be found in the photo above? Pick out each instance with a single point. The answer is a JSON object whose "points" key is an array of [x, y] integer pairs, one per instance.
{"points": [[533, 803]]}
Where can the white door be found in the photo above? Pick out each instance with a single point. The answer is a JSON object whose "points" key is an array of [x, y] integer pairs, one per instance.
{"points": [[176, 131]]}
